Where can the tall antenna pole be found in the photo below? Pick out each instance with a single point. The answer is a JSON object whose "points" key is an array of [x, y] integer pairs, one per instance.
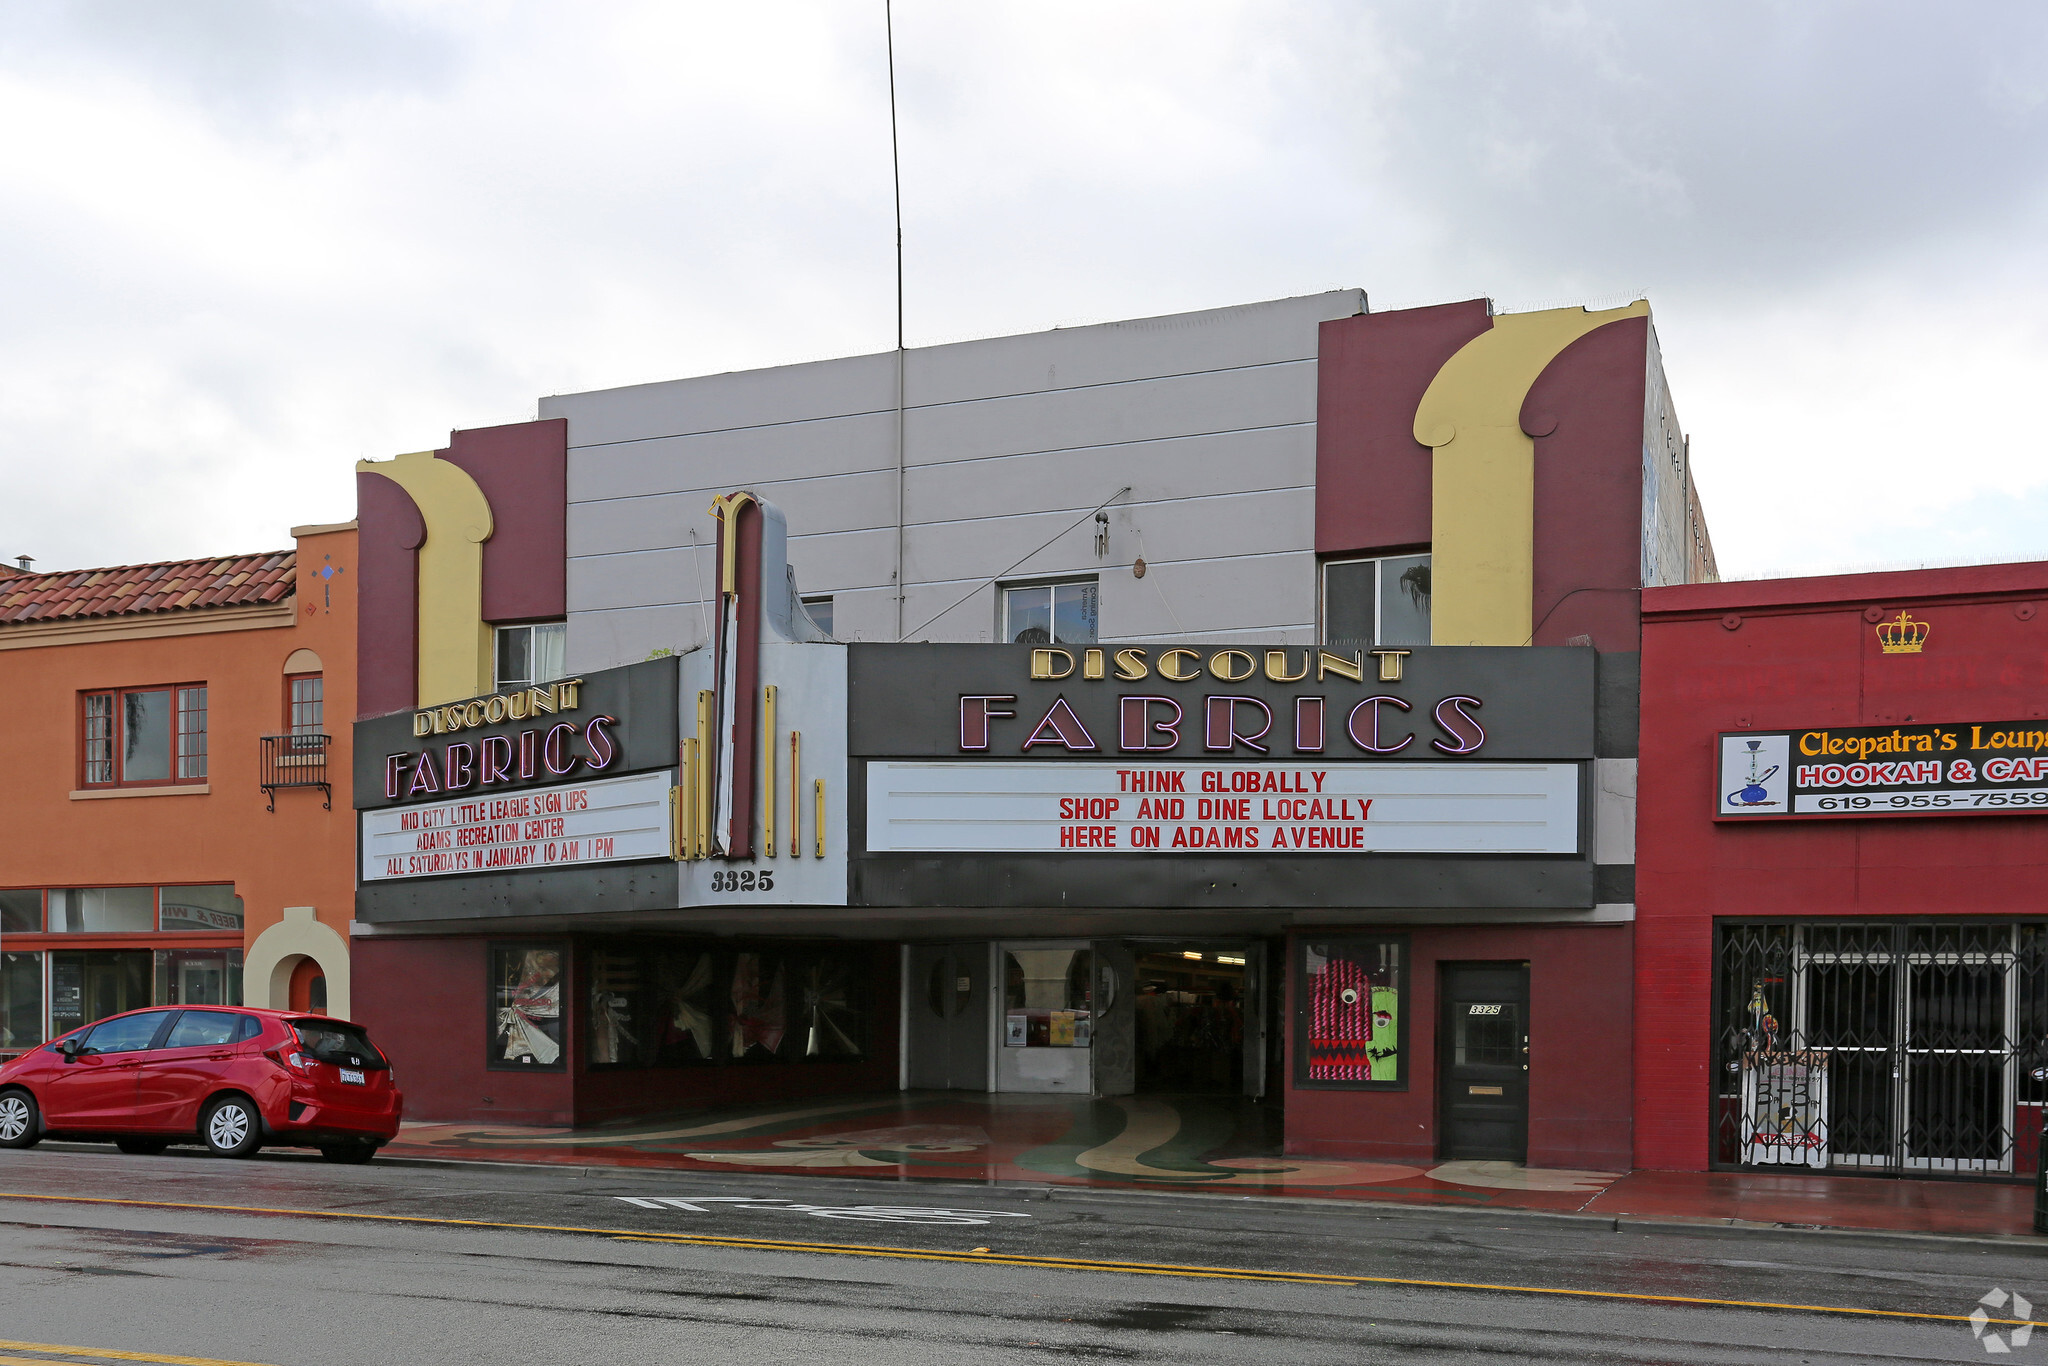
{"points": [[896, 182]]}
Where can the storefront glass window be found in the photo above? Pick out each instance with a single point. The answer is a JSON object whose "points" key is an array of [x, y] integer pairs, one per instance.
{"points": [[1048, 998], [526, 1005], [21, 1000], [198, 977], [651, 1006], [1351, 1013], [760, 1006], [21, 911], [92, 984], [213, 907], [829, 1012], [103, 910], [670, 1005]]}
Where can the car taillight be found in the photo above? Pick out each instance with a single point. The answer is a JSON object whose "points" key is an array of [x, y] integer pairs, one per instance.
{"points": [[296, 1060]]}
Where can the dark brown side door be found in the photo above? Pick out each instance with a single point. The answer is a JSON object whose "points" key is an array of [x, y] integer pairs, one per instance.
{"points": [[1483, 1061]]}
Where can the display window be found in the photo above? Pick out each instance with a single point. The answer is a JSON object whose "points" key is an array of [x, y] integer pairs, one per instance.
{"points": [[830, 1013], [652, 1006], [198, 977], [680, 1005], [47, 990], [1351, 1012], [1048, 997], [759, 1017], [21, 1000], [90, 984], [525, 1014]]}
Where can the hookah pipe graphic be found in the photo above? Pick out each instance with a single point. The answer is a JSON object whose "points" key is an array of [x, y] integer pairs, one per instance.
{"points": [[1754, 793]]}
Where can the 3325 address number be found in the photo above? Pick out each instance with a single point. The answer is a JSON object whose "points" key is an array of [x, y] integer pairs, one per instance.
{"points": [[743, 880]]}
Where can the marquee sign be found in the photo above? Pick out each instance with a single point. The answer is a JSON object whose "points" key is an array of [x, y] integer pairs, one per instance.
{"points": [[606, 723], [995, 704], [606, 821], [1173, 808], [1972, 768]]}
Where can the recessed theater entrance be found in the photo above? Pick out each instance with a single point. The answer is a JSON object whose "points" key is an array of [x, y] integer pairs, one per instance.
{"points": [[1199, 1018]]}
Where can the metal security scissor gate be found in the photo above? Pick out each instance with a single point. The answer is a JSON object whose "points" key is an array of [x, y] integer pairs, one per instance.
{"points": [[1884, 1046]]}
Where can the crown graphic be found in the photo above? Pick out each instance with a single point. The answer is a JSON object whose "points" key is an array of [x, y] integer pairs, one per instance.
{"points": [[1903, 636]]}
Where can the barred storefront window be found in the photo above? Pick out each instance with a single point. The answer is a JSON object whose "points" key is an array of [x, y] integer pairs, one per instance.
{"points": [[1880, 1045]]}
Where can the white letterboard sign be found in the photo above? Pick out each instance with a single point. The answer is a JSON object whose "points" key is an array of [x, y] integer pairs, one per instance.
{"points": [[1194, 808], [603, 821]]}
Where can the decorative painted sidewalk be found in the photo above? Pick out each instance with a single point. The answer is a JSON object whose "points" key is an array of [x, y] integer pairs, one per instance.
{"points": [[1196, 1143]]}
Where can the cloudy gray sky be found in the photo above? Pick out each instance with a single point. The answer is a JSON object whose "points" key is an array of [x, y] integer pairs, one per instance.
{"points": [[244, 243]]}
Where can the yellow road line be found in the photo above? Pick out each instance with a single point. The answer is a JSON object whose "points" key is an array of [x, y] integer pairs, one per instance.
{"points": [[104, 1352], [1340, 1279]]}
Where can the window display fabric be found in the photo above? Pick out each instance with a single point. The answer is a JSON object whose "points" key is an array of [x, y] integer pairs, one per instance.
{"points": [[529, 1018], [1352, 1023]]}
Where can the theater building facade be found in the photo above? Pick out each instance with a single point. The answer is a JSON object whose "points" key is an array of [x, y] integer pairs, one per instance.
{"points": [[1240, 703], [1842, 958]]}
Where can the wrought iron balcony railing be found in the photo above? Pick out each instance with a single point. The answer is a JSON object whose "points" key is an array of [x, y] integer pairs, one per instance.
{"points": [[296, 761]]}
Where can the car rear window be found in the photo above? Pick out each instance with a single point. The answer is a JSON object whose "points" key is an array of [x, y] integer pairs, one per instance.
{"points": [[343, 1044]]}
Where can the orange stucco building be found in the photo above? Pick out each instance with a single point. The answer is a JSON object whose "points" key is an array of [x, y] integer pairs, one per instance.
{"points": [[174, 733]]}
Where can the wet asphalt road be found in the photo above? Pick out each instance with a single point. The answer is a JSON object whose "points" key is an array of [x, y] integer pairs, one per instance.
{"points": [[294, 1288]]}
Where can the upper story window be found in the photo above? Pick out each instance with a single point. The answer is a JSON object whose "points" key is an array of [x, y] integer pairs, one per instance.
{"points": [[135, 737], [532, 654], [1383, 601], [305, 705], [820, 611], [1050, 613]]}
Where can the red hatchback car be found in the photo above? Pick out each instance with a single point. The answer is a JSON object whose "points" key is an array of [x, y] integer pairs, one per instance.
{"points": [[234, 1079]]}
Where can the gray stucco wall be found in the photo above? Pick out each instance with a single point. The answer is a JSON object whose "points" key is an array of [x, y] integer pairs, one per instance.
{"points": [[1209, 417]]}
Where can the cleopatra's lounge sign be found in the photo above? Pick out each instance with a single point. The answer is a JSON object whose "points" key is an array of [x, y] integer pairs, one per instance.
{"points": [[1972, 768]]}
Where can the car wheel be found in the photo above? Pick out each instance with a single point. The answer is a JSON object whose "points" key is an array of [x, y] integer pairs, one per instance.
{"points": [[232, 1128], [353, 1152], [142, 1147], [18, 1127]]}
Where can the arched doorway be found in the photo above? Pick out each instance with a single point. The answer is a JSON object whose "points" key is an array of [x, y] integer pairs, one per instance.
{"points": [[308, 987]]}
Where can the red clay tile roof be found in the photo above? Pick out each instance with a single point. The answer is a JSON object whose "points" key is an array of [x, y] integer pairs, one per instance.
{"points": [[129, 589]]}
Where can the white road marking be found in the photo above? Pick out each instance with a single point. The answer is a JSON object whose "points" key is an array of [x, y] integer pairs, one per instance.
{"points": [[879, 1214]]}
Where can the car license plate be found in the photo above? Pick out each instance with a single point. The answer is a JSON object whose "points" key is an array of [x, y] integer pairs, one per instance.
{"points": [[352, 1078]]}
